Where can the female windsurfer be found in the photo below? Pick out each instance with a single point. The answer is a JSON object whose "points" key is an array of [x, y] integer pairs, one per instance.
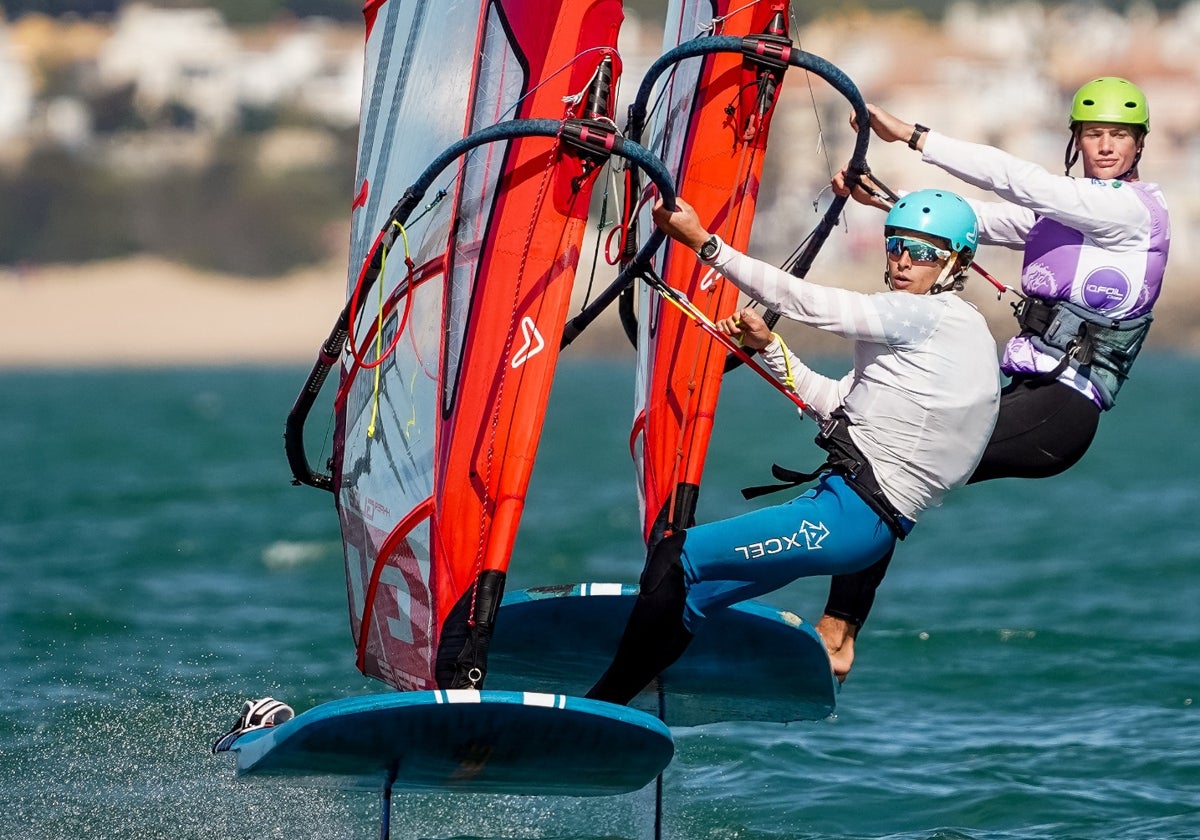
{"points": [[906, 425], [1095, 250]]}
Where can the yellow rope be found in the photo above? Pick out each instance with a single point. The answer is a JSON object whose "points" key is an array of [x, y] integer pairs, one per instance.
{"points": [[788, 378], [379, 330]]}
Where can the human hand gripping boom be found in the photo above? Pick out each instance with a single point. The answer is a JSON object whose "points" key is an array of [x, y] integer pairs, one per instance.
{"points": [[681, 224], [748, 327], [867, 189]]}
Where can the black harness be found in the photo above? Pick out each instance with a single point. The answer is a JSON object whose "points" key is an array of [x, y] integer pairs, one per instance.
{"points": [[844, 459], [1099, 348]]}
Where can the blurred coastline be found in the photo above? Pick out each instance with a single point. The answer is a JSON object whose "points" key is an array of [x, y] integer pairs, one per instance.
{"points": [[175, 94]]}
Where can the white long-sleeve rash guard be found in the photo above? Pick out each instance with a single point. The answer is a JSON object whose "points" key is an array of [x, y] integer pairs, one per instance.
{"points": [[1108, 215], [923, 393]]}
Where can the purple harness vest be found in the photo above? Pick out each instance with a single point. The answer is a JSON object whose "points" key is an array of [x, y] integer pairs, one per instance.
{"points": [[1063, 264]]}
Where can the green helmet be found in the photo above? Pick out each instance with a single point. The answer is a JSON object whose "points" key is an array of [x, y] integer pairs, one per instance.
{"points": [[1110, 99], [938, 213]]}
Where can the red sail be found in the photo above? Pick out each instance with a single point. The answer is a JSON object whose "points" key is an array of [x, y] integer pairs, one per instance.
{"points": [[712, 133], [451, 356]]}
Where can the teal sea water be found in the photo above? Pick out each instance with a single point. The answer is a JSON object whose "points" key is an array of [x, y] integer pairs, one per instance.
{"points": [[1032, 669]]}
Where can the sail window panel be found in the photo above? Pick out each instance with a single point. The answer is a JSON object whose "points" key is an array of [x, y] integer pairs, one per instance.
{"points": [[503, 77], [405, 610], [501, 83], [361, 543], [392, 423], [667, 133], [415, 101], [481, 175], [398, 642]]}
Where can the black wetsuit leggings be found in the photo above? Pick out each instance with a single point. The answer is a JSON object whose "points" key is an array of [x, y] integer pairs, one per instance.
{"points": [[1042, 429]]}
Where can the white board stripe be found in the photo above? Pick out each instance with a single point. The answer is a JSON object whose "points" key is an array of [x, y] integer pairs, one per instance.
{"points": [[602, 589], [549, 701]]}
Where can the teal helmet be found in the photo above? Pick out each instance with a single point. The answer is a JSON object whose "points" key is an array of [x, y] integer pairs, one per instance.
{"points": [[1111, 99], [937, 213]]}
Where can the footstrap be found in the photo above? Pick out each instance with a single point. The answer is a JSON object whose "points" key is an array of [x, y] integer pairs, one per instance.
{"points": [[256, 714]]}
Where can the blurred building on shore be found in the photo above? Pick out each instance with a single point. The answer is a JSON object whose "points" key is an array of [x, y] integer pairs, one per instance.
{"points": [[156, 89]]}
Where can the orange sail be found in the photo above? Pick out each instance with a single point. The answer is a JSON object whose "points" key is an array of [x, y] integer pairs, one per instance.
{"points": [[711, 130]]}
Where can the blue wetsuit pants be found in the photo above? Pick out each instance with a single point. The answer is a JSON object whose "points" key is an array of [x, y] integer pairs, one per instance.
{"points": [[827, 530]]}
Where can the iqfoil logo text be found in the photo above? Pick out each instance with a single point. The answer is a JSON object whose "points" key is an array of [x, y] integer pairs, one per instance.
{"points": [[1105, 288]]}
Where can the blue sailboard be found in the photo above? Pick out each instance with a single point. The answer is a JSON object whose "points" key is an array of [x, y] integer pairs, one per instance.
{"points": [[485, 124], [749, 662], [466, 741]]}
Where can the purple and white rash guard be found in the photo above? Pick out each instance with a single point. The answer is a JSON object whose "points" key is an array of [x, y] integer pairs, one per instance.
{"points": [[1098, 244]]}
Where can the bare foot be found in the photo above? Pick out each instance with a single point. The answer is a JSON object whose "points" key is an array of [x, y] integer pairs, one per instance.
{"points": [[838, 635]]}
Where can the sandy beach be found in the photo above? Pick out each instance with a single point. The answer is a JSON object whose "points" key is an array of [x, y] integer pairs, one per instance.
{"points": [[146, 312]]}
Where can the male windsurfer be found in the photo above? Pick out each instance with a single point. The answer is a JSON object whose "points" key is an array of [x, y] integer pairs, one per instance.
{"points": [[1095, 254], [906, 425]]}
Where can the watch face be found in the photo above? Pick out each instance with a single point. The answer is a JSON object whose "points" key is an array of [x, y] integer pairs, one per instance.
{"points": [[709, 249]]}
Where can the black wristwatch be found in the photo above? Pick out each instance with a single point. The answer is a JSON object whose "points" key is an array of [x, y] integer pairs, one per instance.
{"points": [[708, 251], [918, 130]]}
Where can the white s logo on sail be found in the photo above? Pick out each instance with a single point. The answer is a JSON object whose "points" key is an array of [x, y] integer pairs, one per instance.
{"points": [[533, 343]]}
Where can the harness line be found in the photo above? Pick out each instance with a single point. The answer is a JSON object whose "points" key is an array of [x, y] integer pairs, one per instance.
{"points": [[680, 301]]}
